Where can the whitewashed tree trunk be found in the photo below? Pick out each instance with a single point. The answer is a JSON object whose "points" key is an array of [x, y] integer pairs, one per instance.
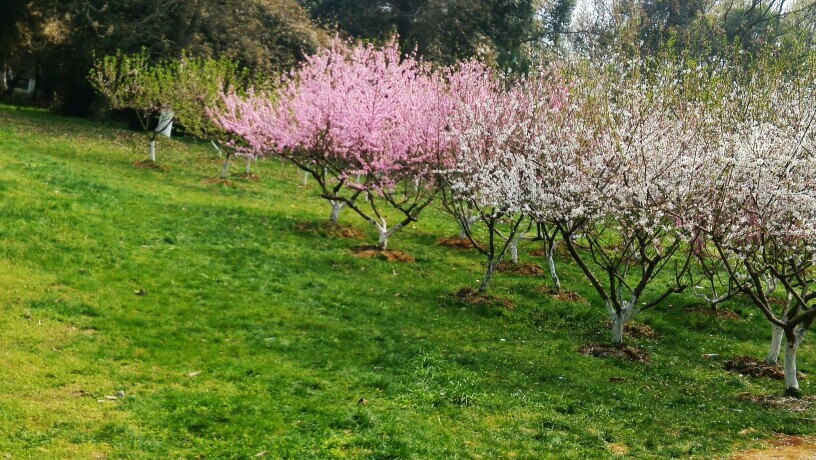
{"points": [[336, 206], [776, 344], [225, 168], [469, 221], [513, 247], [385, 233], [165, 126], [791, 381], [620, 318], [153, 149], [305, 178], [777, 334], [248, 168], [32, 86], [551, 264], [217, 148]]}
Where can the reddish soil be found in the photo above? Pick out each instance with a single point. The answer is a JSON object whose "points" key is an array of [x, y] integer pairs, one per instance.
{"points": [[390, 255], [147, 164], [527, 268], [748, 366], [624, 351], [562, 296], [636, 330], [473, 297], [782, 447], [332, 230], [455, 242]]}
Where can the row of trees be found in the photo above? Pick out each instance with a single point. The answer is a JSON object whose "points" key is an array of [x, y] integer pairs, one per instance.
{"points": [[642, 168]]}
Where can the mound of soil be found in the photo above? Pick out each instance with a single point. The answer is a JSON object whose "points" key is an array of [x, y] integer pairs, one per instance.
{"points": [[623, 351], [745, 365], [455, 242], [390, 255], [147, 164], [527, 268], [331, 229], [473, 297], [636, 330], [721, 313], [562, 296]]}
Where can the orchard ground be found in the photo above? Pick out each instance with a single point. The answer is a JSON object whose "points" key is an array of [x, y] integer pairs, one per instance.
{"points": [[156, 313]]}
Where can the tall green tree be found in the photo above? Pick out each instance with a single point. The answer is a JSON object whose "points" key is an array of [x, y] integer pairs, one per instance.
{"points": [[445, 31]]}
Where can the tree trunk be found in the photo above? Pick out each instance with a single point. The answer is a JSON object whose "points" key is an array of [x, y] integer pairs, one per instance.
{"points": [[620, 318], [551, 264], [248, 169], [513, 247], [791, 382], [305, 178], [225, 168], [382, 243], [336, 206], [777, 333], [776, 344], [469, 221], [165, 126], [153, 149], [491, 268]]}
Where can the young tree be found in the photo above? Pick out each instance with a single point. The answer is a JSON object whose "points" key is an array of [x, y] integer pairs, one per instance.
{"points": [[492, 171], [364, 122], [166, 91], [616, 194]]}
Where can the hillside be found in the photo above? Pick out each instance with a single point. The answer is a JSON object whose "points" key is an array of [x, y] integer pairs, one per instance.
{"points": [[156, 313]]}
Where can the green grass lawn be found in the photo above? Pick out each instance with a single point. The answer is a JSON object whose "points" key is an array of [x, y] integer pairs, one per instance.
{"points": [[235, 326]]}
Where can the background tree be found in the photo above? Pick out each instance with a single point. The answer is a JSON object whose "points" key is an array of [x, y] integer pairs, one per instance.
{"points": [[60, 38]]}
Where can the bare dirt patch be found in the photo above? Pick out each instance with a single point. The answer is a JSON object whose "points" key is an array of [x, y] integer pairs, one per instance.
{"points": [[782, 447], [147, 164], [636, 330], [473, 297], [751, 367], [563, 295], [721, 313], [600, 350], [331, 229], [527, 268], [455, 242], [390, 255], [779, 402], [560, 250]]}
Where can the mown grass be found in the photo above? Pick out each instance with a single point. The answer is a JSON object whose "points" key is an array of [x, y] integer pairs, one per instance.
{"points": [[236, 327]]}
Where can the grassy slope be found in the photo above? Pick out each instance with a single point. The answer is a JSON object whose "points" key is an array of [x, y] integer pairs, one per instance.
{"points": [[289, 330]]}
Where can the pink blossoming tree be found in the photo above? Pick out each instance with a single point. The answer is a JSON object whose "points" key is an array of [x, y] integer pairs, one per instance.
{"points": [[365, 122]]}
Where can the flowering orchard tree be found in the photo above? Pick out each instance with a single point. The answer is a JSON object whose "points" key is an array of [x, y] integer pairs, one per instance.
{"points": [[762, 213], [490, 172], [362, 121], [614, 193]]}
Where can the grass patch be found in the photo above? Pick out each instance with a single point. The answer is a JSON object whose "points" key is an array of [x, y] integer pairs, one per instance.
{"points": [[235, 323]]}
